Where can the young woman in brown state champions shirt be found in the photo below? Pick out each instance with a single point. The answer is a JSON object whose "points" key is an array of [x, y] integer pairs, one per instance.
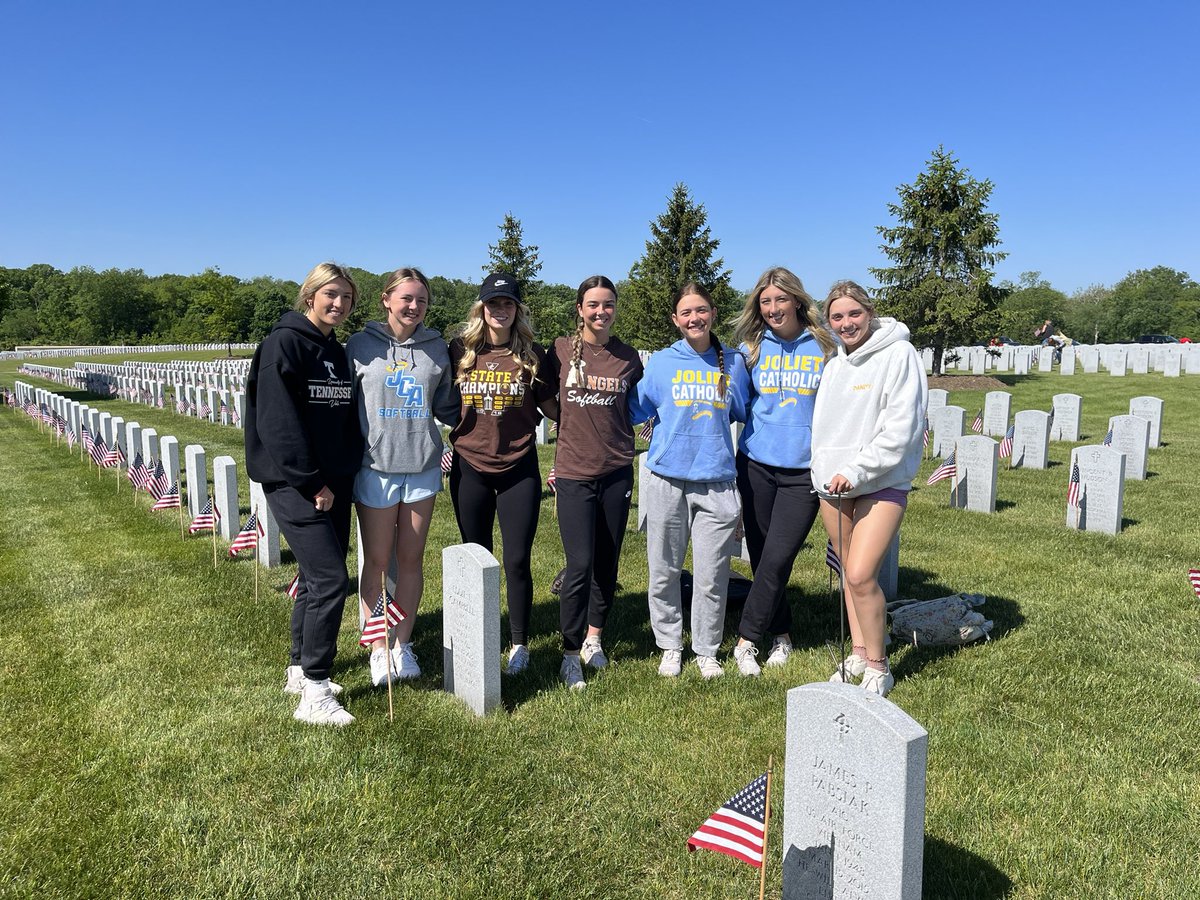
{"points": [[502, 378], [593, 465]]}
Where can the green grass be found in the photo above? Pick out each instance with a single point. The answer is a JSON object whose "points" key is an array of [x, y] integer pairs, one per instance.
{"points": [[145, 748]]}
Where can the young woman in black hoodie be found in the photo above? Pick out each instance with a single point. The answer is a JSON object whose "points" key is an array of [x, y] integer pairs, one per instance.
{"points": [[304, 446]]}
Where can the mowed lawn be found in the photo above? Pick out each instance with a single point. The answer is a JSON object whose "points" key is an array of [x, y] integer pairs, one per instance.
{"points": [[146, 748]]}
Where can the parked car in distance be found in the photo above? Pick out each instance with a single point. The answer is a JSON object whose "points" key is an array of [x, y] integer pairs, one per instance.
{"points": [[1157, 339]]}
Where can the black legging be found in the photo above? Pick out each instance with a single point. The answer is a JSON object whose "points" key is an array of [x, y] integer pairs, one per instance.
{"points": [[516, 495], [778, 510], [591, 519]]}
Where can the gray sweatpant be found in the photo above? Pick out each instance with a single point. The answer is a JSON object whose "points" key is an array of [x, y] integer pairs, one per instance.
{"points": [[708, 512]]}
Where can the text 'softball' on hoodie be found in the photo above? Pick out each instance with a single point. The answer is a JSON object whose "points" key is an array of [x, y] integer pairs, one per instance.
{"points": [[300, 423], [870, 414], [403, 386], [783, 393], [679, 390]]}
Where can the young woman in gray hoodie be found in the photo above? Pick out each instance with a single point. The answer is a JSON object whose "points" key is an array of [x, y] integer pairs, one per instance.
{"points": [[404, 386]]}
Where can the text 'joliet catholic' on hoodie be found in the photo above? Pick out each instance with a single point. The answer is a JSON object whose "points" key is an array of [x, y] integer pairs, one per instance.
{"points": [[403, 386], [681, 392], [783, 391], [300, 422], [870, 414]]}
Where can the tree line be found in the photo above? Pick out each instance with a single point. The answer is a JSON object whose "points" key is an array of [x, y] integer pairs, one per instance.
{"points": [[943, 244]]}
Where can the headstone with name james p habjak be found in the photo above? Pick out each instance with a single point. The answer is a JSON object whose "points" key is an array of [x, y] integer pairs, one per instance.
{"points": [[471, 626], [1150, 409], [1031, 439], [975, 464], [1100, 494], [854, 796]]}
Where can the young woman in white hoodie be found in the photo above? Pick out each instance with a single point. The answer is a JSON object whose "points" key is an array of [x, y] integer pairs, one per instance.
{"points": [[866, 448]]}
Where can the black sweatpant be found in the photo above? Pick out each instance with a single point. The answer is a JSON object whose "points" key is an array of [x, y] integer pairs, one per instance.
{"points": [[319, 541], [778, 510], [515, 495], [591, 519]]}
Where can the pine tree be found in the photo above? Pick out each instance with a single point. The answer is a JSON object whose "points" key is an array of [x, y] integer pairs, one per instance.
{"points": [[511, 254], [941, 284], [680, 249]]}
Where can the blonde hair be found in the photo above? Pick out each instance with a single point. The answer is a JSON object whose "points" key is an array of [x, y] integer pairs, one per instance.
{"points": [[751, 326], [318, 278], [473, 333], [694, 287], [855, 292], [593, 281], [401, 275]]}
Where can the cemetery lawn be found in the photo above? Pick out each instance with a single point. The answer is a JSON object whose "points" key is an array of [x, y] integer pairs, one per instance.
{"points": [[146, 748]]}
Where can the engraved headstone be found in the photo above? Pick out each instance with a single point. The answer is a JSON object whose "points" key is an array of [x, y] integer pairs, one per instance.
{"points": [[947, 424], [106, 431], [1067, 365], [1171, 365], [854, 796], [979, 362], [150, 446], [168, 450], [1139, 361], [268, 538], [975, 464], [471, 626], [1101, 489], [1067, 410], [542, 431], [1031, 439], [1091, 361], [133, 441], [937, 399], [1131, 436], [118, 431], [1191, 362], [1116, 363], [641, 476], [196, 462], [1046, 359], [1150, 409], [225, 495], [996, 408], [1021, 363]]}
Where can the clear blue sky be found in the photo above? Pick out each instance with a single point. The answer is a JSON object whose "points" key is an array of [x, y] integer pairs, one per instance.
{"points": [[262, 138]]}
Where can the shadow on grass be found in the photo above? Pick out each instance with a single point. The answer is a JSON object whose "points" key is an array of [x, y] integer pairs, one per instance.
{"points": [[1004, 504], [951, 871]]}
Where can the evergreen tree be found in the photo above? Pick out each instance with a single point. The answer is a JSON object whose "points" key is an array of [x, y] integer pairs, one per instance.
{"points": [[940, 285], [681, 249], [511, 254]]}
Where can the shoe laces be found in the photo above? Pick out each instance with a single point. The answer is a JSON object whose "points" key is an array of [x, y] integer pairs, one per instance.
{"points": [[745, 650]]}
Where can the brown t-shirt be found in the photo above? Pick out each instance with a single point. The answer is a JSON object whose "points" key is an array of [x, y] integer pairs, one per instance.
{"points": [[594, 435], [499, 408]]}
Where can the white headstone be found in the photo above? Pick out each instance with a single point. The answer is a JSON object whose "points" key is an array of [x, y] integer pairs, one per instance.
{"points": [[1171, 365], [133, 441], [1116, 363], [947, 424], [106, 431], [225, 493], [937, 399], [239, 407], [641, 510], [854, 796], [1021, 363], [168, 449], [1131, 436], [975, 464], [268, 538], [1150, 409], [1046, 359], [1191, 362], [542, 431], [196, 462], [996, 409], [1101, 489], [1031, 439], [149, 446], [1067, 365], [471, 626], [1091, 361], [1139, 361], [118, 431], [978, 362], [1067, 411]]}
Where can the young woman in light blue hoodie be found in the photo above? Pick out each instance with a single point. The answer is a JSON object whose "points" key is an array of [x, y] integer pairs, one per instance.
{"points": [[785, 343], [404, 386], [691, 391]]}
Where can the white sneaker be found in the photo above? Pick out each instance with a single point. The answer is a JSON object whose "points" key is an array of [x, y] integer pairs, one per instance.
{"points": [[876, 682], [672, 664], [781, 649], [743, 654], [294, 681], [404, 662], [571, 673], [592, 653], [855, 665], [379, 667], [518, 660], [318, 706], [710, 668]]}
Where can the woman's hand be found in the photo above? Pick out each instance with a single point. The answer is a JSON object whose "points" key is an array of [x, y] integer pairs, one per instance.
{"points": [[324, 500], [838, 485]]}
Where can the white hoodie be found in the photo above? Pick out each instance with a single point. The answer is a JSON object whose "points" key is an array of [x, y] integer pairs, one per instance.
{"points": [[870, 414]]}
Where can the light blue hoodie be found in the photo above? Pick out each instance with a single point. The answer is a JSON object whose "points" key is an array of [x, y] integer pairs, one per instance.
{"points": [[679, 392], [783, 393]]}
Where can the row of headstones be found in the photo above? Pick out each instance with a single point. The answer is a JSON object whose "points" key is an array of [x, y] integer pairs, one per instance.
{"points": [[117, 350], [173, 374], [1116, 359], [1103, 469], [66, 377], [133, 439]]}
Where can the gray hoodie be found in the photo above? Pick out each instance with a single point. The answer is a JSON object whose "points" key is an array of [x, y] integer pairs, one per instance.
{"points": [[402, 387]]}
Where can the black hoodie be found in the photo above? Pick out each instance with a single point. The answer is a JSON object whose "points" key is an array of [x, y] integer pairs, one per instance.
{"points": [[301, 417]]}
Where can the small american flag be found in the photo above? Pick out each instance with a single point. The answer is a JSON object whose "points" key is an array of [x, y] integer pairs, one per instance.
{"points": [[223, 410], [89, 442], [1007, 442], [647, 430], [99, 451], [138, 476], [552, 481], [447, 461], [206, 519], [71, 437], [977, 425], [180, 406], [831, 559], [293, 589], [1194, 578], [925, 436], [233, 414], [247, 538], [947, 469], [386, 613], [169, 500], [156, 483], [1073, 487], [1108, 437], [112, 459], [738, 828]]}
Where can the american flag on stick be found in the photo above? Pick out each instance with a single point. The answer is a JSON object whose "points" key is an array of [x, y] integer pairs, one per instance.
{"points": [[169, 500], [1194, 578], [977, 425], [384, 615], [552, 481], [831, 559], [947, 469], [1073, 487], [925, 436], [206, 519], [447, 461], [99, 451], [1007, 442], [247, 538], [293, 589], [1108, 437], [647, 430], [138, 476], [157, 483], [738, 828]]}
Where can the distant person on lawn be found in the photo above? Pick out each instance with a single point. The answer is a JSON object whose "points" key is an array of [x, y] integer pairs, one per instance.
{"points": [[867, 430], [304, 446]]}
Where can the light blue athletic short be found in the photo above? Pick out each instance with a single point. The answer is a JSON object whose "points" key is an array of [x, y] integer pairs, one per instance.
{"points": [[380, 490]]}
